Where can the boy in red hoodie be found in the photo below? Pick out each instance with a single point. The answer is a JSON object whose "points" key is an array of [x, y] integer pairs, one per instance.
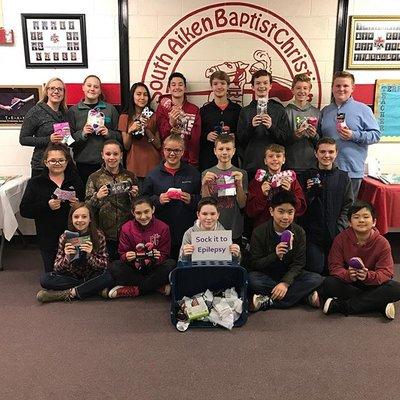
{"points": [[361, 268], [261, 192], [177, 115]]}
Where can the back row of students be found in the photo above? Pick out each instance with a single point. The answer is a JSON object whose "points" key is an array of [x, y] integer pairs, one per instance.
{"points": [[298, 128]]}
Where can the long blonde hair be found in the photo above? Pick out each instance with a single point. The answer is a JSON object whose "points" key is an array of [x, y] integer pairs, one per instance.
{"points": [[45, 97]]}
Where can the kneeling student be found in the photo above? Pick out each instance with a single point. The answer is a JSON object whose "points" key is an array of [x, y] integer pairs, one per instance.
{"points": [[207, 220], [277, 278], [361, 268], [144, 248], [80, 270]]}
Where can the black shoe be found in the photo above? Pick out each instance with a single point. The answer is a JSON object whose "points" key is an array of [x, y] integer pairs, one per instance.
{"points": [[331, 306]]}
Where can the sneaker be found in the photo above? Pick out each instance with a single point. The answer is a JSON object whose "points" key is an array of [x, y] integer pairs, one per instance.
{"points": [[104, 293], [261, 302], [313, 300], [330, 306], [390, 311], [123, 291], [165, 290], [46, 296]]}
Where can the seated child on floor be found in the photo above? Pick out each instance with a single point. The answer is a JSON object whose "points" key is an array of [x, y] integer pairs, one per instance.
{"points": [[361, 268], [278, 256], [144, 248], [207, 220], [80, 268], [261, 189]]}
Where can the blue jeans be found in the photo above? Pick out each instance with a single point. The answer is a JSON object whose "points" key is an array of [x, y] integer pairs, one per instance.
{"points": [[302, 286], [84, 288]]}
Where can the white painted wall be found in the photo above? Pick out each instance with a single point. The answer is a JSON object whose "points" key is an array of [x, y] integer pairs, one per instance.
{"points": [[103, 60]]}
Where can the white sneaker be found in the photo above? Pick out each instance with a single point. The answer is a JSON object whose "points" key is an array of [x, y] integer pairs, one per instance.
{"points": [[261, 302], [390, 311], [313, 299]]}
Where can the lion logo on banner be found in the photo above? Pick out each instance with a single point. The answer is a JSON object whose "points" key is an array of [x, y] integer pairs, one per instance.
{"points": [[240, 74]]}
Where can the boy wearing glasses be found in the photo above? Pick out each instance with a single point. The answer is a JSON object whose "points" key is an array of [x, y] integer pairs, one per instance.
{"points": [[174, 188]]}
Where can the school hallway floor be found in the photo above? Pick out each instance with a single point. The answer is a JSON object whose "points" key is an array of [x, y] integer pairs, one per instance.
{"points": [[128, 349]]}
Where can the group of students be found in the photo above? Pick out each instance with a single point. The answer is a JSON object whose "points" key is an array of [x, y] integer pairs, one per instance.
{"points": [[275, 165]]}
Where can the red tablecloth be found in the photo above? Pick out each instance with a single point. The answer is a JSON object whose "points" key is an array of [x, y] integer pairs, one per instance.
{"points": [[385, 199]]}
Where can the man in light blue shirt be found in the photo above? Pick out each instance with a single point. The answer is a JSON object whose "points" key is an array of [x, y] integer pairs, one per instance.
{"points": [[352, 125]]}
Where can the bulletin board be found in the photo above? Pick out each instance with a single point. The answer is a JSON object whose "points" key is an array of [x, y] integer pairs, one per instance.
{"points": [[387, 109]]}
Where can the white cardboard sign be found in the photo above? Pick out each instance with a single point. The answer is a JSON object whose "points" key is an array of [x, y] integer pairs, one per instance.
{"points": [[211, 245]]}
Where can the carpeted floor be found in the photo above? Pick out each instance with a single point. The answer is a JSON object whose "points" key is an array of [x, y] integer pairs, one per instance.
{"points": [[128, 349]]}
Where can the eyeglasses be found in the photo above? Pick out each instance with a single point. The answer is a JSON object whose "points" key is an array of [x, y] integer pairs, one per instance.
{"points": [[54, 162], [170, 151], [55, 89]]}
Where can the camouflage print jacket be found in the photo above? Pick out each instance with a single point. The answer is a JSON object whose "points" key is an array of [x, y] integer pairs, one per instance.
{"points": [[114, 210]]}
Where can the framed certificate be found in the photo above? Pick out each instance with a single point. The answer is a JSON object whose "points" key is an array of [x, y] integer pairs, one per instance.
{"points": [[374, 42], [54, 40]]}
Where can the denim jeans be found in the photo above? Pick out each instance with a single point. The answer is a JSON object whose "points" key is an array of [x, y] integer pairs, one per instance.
{"points": [[84, 288], [302, 286], [357, 298]]}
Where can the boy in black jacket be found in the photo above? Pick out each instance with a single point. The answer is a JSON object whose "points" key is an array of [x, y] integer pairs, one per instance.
{"points": [[277, 278], [216, 117], [329, 197]]}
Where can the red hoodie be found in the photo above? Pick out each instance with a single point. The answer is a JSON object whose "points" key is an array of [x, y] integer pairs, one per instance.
{"points": [[193, 133], [156, 232], [257, 204], [376, 255]]}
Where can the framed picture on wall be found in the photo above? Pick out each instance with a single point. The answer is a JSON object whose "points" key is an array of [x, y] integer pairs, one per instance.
{"points": [[54, 40], [374, 42], [16, 101]]}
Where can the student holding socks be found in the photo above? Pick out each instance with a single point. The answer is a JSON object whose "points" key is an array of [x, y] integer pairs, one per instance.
{"points": [[89, 137], [144, 247], [176, 115], [38, 127], [303, 120], [80, 269], [231, 196], [139, 133], [221, 114], [49, 210], [261, 190], [361, 268], [278, 256], [109, 191], [174, 188]]}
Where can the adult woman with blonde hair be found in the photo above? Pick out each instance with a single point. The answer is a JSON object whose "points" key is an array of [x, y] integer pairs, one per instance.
{"points": [[38, 127]]}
